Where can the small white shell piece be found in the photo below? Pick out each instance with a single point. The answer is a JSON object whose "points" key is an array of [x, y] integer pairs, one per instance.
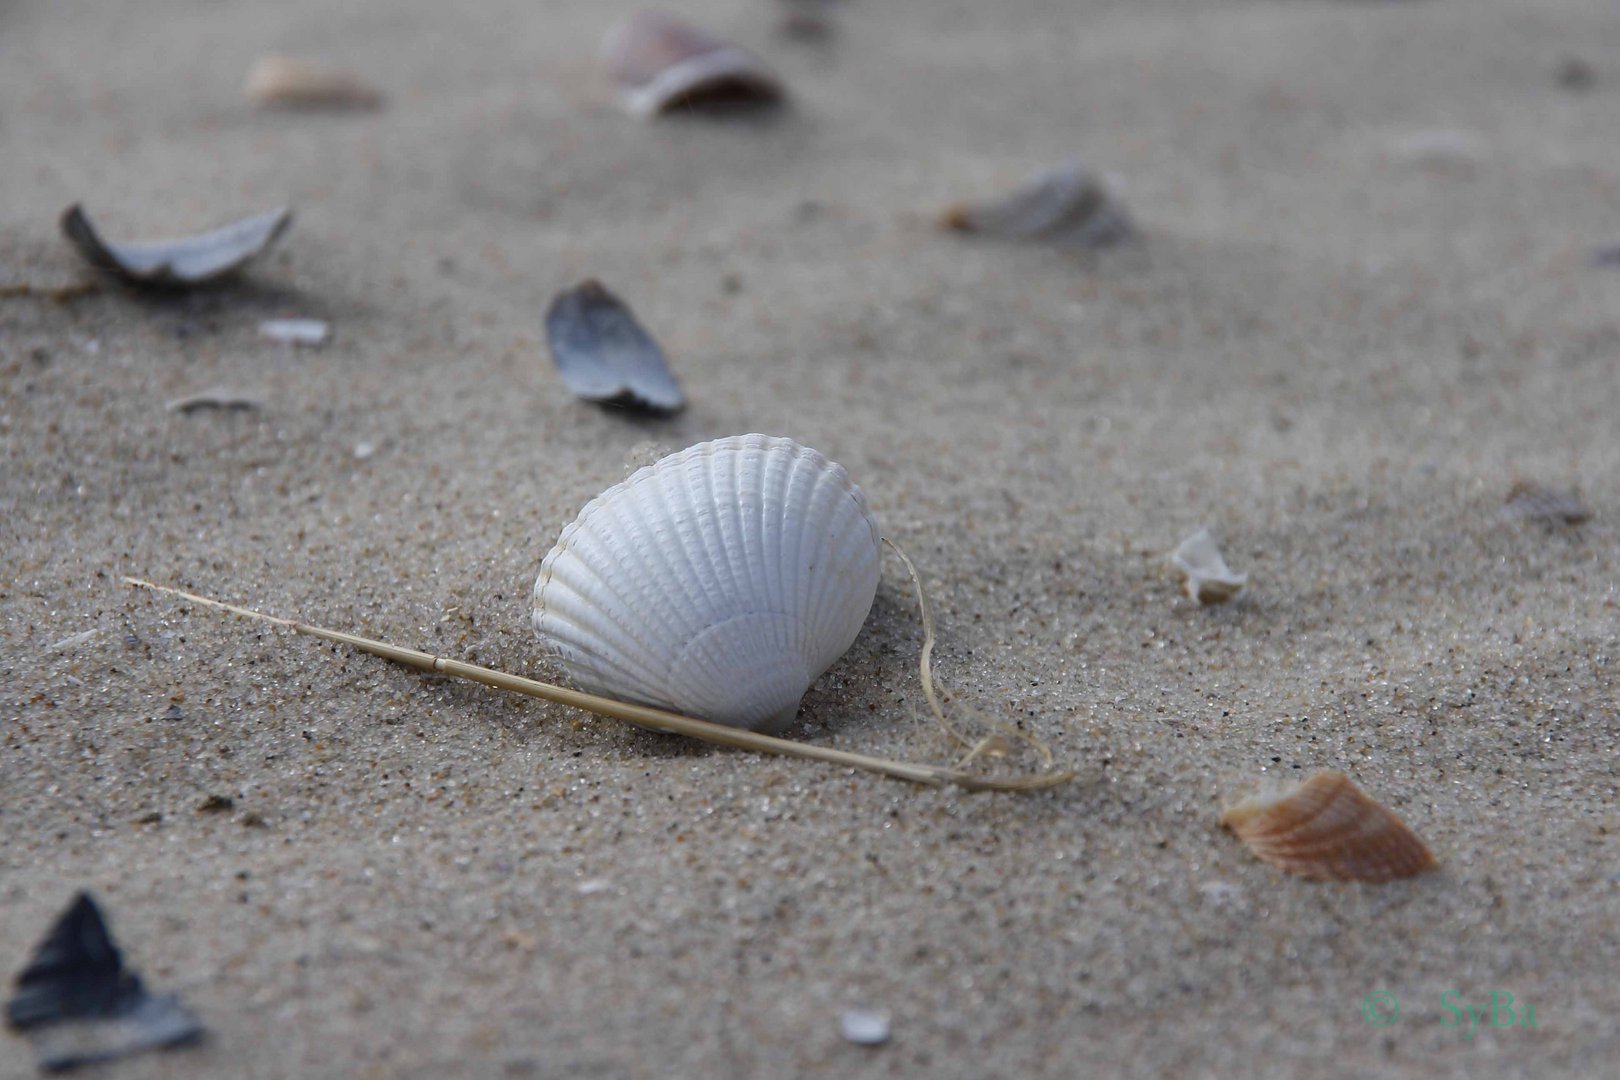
{"points": [[718, 582], [1206, 577]]}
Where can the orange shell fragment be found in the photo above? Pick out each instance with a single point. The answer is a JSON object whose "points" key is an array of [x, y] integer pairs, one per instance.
{"points": [[1330, 830]]}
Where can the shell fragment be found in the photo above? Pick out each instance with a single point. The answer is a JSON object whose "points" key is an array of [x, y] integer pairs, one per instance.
{"points": [[660, 62], [288, 83], [864, 1027], [1329, 829], [603, 354], [79, 1005], [180, 263], [1535, 502], [217, 398], [1070, 206], [1204, 573], [295, 331]]}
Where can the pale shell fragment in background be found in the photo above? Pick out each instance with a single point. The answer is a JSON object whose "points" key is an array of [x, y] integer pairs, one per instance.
{"points": [[719, 582], [1329, 829], [864, 1027], [1444, 150], [603, 354], [217, 398], [660, 62], [1204, 573], [1530, 501], [1069, 205], [289, 83], [295, 331], [179, 263]]}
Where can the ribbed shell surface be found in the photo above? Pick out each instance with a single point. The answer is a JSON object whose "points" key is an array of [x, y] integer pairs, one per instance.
{"points": [[718, 582]]}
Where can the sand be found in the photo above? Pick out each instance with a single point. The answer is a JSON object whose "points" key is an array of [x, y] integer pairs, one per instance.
{"points": [[1363, 306]]}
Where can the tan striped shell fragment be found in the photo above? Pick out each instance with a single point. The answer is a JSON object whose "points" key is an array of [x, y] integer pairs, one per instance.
{"points": [[286, 82], [718, 582], [1329, 829]]}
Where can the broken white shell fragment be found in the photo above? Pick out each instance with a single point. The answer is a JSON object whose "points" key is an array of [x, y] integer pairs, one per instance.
{"points": [[659, 62], [1069, 205], [188, 260], [718, 582], [603, 354], [1205, 575], [295, 331], [285, 82], [864, 1027]]}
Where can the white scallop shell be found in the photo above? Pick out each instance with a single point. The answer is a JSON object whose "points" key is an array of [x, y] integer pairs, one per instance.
{"points": [[718, 582]]}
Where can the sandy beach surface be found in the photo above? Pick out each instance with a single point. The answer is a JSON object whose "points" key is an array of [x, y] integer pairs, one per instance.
{"points": [[1363, 306]]}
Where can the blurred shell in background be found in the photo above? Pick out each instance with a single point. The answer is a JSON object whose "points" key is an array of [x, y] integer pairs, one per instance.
{"points": [[660, 62], [1069, 205], [286, 83], [182, 262]]}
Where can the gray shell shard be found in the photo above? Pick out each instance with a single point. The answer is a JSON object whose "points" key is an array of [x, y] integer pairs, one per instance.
{"points": [[1069, 205], [603, 354], [179, 263]]}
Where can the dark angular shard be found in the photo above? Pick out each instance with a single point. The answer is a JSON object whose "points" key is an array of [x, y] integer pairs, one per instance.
{"points": [[78, 1004], [182, 262], [603, 354]]}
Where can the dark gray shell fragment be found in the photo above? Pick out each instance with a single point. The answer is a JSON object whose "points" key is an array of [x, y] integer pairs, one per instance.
{"points": [[180, 263], [78, 1004], [603, 354]]}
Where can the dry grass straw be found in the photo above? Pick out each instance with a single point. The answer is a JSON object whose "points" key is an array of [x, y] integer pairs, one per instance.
{"points": [[999, 742], [644, 716]]}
